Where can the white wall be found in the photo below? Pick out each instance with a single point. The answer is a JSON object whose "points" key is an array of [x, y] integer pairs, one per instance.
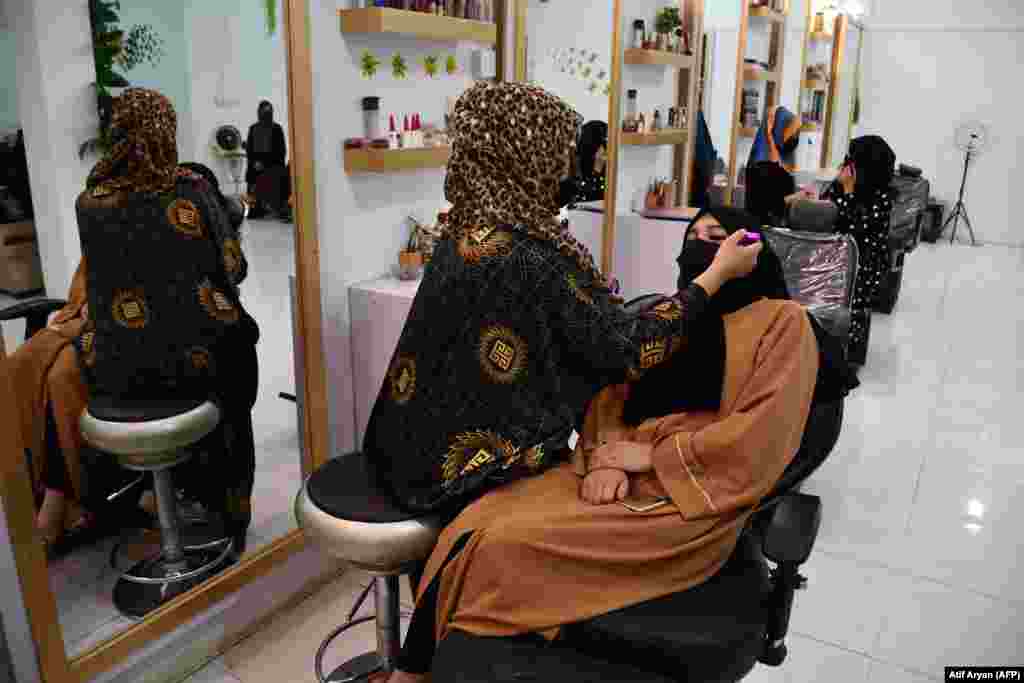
{"points": [[930, 64], [362, 217], [231, 64], [580, 25], [58, 108]]}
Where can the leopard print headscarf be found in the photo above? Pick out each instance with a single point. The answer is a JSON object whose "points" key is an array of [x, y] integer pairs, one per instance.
{"points": [[145, 157], [511, 145]]}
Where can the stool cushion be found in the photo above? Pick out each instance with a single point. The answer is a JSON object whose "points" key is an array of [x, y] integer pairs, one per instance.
{"points": [[348, 488], [111, 409], [147, 434], [352, 514], [712, 632]]}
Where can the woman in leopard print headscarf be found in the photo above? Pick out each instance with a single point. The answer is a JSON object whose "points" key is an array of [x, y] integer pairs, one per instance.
{"points": [[512, 331], [512, 145]]}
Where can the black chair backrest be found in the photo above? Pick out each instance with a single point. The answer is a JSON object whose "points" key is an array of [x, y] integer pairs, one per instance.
{"points": [[820, 271]]}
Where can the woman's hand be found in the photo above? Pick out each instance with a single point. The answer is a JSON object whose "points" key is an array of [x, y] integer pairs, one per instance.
{"points": [[734, 260], [847, 178], [628, 456], [604, 486]]}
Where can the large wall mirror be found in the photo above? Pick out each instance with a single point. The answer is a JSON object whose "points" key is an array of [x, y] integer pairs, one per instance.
{"points": [[577, 65], [238, 74]]}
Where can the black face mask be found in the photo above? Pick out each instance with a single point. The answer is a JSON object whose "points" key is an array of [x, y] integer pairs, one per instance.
{"points": [[568, 191]]}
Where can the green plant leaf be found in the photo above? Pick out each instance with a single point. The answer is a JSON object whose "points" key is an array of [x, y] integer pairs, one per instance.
{"points": [[270, 8], [399, 67], [430, 64], [369, 64], [451, 65]]}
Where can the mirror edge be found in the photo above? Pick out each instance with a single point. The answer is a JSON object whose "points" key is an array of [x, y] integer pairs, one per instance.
{"points": [[55, 666], [614, 137]]}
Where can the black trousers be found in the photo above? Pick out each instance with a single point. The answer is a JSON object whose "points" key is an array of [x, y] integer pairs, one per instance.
{"points": [[417, 655]]}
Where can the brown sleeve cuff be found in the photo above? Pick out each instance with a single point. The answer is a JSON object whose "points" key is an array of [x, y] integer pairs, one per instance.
{"points": [[682, 476]]}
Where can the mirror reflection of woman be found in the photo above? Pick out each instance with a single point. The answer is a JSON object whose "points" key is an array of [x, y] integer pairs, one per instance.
{"points": [[267, 172]]}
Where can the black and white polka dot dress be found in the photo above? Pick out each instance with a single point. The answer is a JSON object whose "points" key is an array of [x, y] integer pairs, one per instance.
{"points": [[867, 221]]}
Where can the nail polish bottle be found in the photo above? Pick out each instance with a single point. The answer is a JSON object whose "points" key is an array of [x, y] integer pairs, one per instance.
{"points": [[406, 133]]}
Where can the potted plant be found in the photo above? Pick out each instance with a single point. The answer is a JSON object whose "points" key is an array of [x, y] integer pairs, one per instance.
{"points": [[410, 259], [665, 24]]}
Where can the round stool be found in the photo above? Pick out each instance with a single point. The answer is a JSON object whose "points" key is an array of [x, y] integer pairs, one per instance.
{"points": [[153, 436], [352, 515]]}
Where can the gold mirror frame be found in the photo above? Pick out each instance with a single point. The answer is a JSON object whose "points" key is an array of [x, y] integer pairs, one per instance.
{"points": [[54, 664]]}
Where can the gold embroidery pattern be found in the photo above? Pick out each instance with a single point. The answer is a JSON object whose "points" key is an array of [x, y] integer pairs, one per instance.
{"points": [[652, 353], [535, 457], [476, 245], [577, 291], [232, 256], [200, 358], [217, 303], [185, 217], [402, 379], [668, 310], [89, 348], [130, 309], [471, 451], [502, 354]]}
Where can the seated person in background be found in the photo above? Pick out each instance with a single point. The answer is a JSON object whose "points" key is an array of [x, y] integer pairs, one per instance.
{"points": [[708, 432], [703, 164], [267, 176], [51, 395], [588, 184], [771, 189], [863, 196], [165, 320], [513, 328], [777, 139]]}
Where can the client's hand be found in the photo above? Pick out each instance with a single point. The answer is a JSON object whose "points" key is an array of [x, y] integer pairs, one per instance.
{"points": [[604, 486], [628, 456]]}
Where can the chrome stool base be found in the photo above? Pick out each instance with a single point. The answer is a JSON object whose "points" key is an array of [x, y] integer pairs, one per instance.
{"points": [[362, 668], [149, 584]]}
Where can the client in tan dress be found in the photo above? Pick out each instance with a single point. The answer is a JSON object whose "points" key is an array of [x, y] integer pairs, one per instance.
{"points": [[707, 436]]}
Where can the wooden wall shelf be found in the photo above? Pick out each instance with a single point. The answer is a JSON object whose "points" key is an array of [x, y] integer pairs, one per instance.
{"points": [[820, 36], [811, 127], [767, 13], [748, 132], [659, 58], [417, 24], [671, 136], [395, 160], [752, 74], [815, 84]]}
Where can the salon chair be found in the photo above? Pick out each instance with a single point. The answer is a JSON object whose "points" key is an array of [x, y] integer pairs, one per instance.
{"points": [[714, 632]]}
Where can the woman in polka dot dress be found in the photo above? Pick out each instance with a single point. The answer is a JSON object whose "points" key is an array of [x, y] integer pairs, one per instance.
{"points": [[864, 198]]}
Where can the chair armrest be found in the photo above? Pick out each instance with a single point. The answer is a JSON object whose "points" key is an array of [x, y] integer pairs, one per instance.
{"points": [[35, 312], [33, 307], [791, 530]]}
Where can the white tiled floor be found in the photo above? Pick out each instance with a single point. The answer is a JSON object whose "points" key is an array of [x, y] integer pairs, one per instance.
{"points": [[83, 582], [917, 564]]}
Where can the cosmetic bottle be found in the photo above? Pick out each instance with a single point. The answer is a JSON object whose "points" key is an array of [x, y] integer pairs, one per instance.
{"points": [[632, 116], [371, 118], [642, 125], [458, 8], [404, 138], [394, 140], [638, 34], [656, 121]]}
